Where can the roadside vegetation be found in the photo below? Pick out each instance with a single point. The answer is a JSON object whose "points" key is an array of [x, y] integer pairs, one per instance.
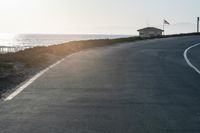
{"points": [[39, 55]]}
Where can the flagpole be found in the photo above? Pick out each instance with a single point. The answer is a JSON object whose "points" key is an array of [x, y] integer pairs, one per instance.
{"points": [[163, 27]]}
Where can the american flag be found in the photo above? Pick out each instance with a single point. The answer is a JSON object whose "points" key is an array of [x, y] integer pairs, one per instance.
{"points": [[166, 22]]}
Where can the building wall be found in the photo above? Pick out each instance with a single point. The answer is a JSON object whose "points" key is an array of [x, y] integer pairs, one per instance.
{"points": [[150, 33]]}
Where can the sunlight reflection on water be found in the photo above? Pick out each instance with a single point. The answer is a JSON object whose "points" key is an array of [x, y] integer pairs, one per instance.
{"points": [[16, 42]]}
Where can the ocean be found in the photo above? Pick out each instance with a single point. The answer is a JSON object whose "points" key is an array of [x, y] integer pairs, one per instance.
{"points": [[17, 42]]}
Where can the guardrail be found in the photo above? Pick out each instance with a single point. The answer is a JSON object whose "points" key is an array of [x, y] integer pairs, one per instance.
{"points": [[12, 49]]}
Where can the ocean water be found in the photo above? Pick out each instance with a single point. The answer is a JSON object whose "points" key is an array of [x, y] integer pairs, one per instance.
{"points": [[17, 42]]}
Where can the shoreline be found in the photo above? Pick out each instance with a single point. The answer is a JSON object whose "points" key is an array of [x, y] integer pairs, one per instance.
{"points": [[45, 40], [17, 68]]}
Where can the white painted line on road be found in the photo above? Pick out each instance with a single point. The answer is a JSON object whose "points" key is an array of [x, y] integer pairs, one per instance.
{"points": [[188, 61], [21, 88], [30, 81]]}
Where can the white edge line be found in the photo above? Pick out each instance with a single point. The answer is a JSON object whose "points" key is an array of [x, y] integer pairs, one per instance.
{"points": [[188, 61], [30, 81]]}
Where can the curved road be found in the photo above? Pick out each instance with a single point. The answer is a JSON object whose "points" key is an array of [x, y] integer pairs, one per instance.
{"points": [[140, 87]]}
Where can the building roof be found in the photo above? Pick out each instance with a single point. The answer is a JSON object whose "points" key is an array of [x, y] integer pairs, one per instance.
{"points": [[150, 29]]}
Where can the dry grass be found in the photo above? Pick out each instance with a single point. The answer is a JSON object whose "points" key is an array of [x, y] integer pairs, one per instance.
{"points": [[37, 56]]}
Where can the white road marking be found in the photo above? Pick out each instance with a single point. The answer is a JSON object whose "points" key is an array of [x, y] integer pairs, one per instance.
{"points": [[188, 61], [30, 81]]}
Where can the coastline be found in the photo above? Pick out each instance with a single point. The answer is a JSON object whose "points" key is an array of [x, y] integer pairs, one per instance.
{"points": [[16, 68]]}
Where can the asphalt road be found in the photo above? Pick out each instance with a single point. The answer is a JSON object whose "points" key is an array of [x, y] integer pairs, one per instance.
{"points": [[140, 87]]}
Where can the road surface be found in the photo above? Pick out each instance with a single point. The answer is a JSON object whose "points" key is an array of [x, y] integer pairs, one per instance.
{"points": [[140, 87]]}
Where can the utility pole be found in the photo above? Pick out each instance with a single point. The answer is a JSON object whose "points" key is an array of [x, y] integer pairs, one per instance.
{"points": [[197, 24]]}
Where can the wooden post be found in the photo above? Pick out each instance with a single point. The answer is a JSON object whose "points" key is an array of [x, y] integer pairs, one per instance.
{"points": [[197, 24]]}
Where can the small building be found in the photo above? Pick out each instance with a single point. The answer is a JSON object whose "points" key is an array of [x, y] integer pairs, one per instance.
{"points": [[150, 32]]}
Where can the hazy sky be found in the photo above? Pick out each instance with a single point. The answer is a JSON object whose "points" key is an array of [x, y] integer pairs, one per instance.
{"points": [[96, 16]]}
